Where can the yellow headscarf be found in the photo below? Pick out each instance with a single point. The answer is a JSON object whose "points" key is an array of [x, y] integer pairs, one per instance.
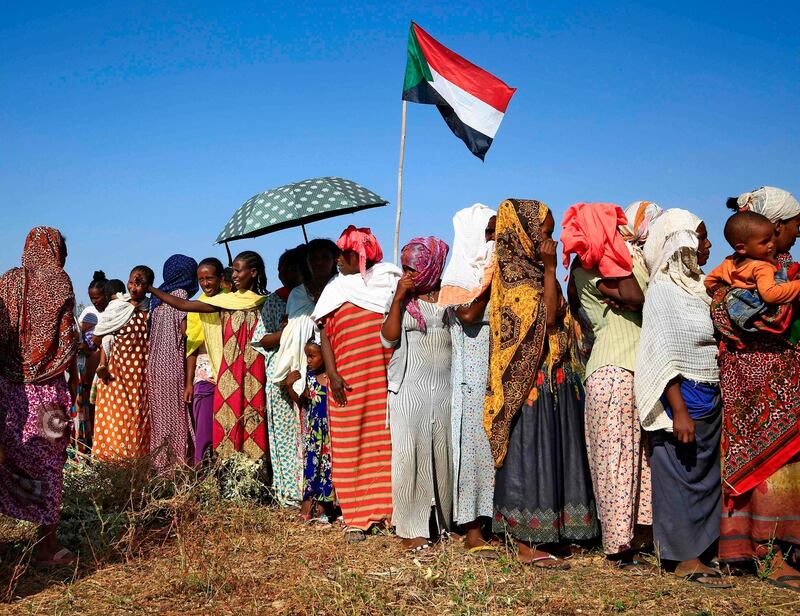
{"points": [[518, 325]]}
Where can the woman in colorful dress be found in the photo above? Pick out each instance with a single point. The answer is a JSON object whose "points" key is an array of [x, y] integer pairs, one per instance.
{"points": [[239, 400], [350, 311], [40, 342], [678, 398], [534, 401], [283, 424], [609, 286], [419, 396], [466, 284], [203, 359], [169, 416], [122, 410], [761, 410]]}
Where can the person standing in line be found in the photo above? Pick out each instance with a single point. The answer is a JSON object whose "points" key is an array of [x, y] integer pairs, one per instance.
{"points": [[350, 314], [419, 395], [40, 343], [534, 402], [609, 285], [169, 416], [676, 383]]}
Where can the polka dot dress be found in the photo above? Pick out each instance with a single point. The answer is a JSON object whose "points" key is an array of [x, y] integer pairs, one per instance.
{"points": [[122, 422]]}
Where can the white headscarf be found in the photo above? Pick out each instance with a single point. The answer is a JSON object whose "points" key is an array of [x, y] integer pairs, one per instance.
{"points": [[677, 332], [641, 215], [774, 203], [118, 312], [471, 252], [671, 251]]}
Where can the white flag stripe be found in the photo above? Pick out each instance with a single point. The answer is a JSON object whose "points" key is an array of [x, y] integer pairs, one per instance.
{"points": [[471, 110]]}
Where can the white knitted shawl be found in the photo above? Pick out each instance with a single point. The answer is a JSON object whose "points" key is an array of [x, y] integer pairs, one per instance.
{"points": [[677, 336]]}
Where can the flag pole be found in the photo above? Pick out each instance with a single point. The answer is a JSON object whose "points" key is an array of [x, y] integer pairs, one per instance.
{"points": [[400, 184]]}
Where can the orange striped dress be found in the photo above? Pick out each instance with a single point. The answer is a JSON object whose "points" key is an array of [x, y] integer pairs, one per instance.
{"points": [[361, 447]]}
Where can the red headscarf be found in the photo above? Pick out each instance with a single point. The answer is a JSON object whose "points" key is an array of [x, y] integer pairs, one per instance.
{"points": [[37, 316], [590, 231], [364, 243]]}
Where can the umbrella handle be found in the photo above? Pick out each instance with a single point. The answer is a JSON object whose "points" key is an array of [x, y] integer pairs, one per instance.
{"points": [[305, 237], [228, 250]]}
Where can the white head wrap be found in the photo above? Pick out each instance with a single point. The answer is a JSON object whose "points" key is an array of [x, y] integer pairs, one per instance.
{"points": [[471, 252], [649, 213], [774, 203], [671, 251]]}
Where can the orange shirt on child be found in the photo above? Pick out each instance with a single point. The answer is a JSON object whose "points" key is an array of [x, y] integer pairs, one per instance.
{"points": [[754, 275]]}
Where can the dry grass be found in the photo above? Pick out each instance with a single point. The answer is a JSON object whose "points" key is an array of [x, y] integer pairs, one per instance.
{"points": [[184, 550]]}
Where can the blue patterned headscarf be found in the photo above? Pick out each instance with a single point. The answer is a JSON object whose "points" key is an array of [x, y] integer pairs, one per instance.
{"points": [[180, 272]]}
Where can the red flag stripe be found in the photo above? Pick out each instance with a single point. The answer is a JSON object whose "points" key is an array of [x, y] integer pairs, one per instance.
{"points": [[463, 73]]}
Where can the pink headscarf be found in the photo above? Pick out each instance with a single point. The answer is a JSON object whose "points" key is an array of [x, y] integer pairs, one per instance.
{"points": [[364, 243], [590, 231], [426, 256]]}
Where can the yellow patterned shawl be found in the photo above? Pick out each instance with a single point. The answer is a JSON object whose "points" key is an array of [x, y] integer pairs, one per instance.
{"points": [[518, 325]]}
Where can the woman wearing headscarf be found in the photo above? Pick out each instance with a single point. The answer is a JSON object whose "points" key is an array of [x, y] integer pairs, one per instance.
{"points": [[761, 411], [39, 340], [534, 404], [283, 424], [466, 284], [166, 374], [678, 397], [640, 215], [609, 285], [350, 312], [419, 395]]}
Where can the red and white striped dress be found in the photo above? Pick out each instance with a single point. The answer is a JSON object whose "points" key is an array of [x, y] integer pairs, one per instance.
{"points": [[361, 447]]}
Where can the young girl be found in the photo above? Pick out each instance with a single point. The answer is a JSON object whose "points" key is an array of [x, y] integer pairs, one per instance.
{"points": [[317, 485], [203, 358], [169, 420], [122, 413], [239, 401]]}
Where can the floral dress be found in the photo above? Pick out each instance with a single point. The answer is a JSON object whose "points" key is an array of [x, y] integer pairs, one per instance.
{"points": [[318, 485]]}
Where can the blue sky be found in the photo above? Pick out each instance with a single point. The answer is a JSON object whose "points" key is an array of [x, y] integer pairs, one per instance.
{"points": [[139, 128]]}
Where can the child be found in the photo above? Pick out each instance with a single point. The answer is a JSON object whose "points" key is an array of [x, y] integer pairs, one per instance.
{"points": [[227, 280], [313, 402], [111, 289], [122, 416], [753, 265]]}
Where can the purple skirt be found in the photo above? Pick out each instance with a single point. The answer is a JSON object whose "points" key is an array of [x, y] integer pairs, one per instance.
{"points": [[203, 417]]}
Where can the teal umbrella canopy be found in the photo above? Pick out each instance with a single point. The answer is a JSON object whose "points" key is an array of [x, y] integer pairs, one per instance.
{"points": [[297, 204]]}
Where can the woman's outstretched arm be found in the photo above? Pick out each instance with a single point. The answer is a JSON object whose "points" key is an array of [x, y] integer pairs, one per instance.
{"points": [[187, 305]]}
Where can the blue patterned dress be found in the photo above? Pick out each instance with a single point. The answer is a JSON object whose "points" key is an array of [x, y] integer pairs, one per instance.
{"points": [[316, 442]]}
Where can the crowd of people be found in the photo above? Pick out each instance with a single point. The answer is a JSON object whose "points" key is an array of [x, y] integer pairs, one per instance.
{"points": [[650, 408]]}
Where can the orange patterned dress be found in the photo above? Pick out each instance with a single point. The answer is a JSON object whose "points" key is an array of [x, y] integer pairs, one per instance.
{"points": [[122, 414]]}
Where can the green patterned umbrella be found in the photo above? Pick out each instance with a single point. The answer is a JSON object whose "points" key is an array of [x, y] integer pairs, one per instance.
{"points": [[296, 205]]}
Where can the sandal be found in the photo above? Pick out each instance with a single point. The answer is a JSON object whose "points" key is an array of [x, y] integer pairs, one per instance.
{"points": [[539, 563], [487, 552], [636, 566], [62, 558], [354, 535], [419, 548], [780, 582], [708, 580]]}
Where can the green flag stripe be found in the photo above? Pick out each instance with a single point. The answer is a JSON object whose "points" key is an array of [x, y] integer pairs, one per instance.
{"points": [[417, 68]]}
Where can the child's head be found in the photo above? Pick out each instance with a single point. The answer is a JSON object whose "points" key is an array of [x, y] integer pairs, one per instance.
{"points": [[210, 275], [249, 273], [227, 279], [751, 235], [97, 290], [314, 357], [112, 287], [322, 256], [141, 278], [292, 267]]}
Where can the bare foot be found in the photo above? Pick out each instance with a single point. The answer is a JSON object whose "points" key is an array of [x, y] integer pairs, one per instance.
{"points": [[305, 510], [474, 538]]}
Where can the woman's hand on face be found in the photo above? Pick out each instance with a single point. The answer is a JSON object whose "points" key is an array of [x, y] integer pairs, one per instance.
{"points": [[547, 253], [683, 427], [338, 386], [405, 287]]}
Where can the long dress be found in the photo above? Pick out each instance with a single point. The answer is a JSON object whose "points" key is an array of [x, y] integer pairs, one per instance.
{"points": [[318, 484], [361, 448], [543, 491], [760, 380], [473, 467], [166, 378], [419, 417], [283, 422], [35, 440], [239, 402], [122, 412]]}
